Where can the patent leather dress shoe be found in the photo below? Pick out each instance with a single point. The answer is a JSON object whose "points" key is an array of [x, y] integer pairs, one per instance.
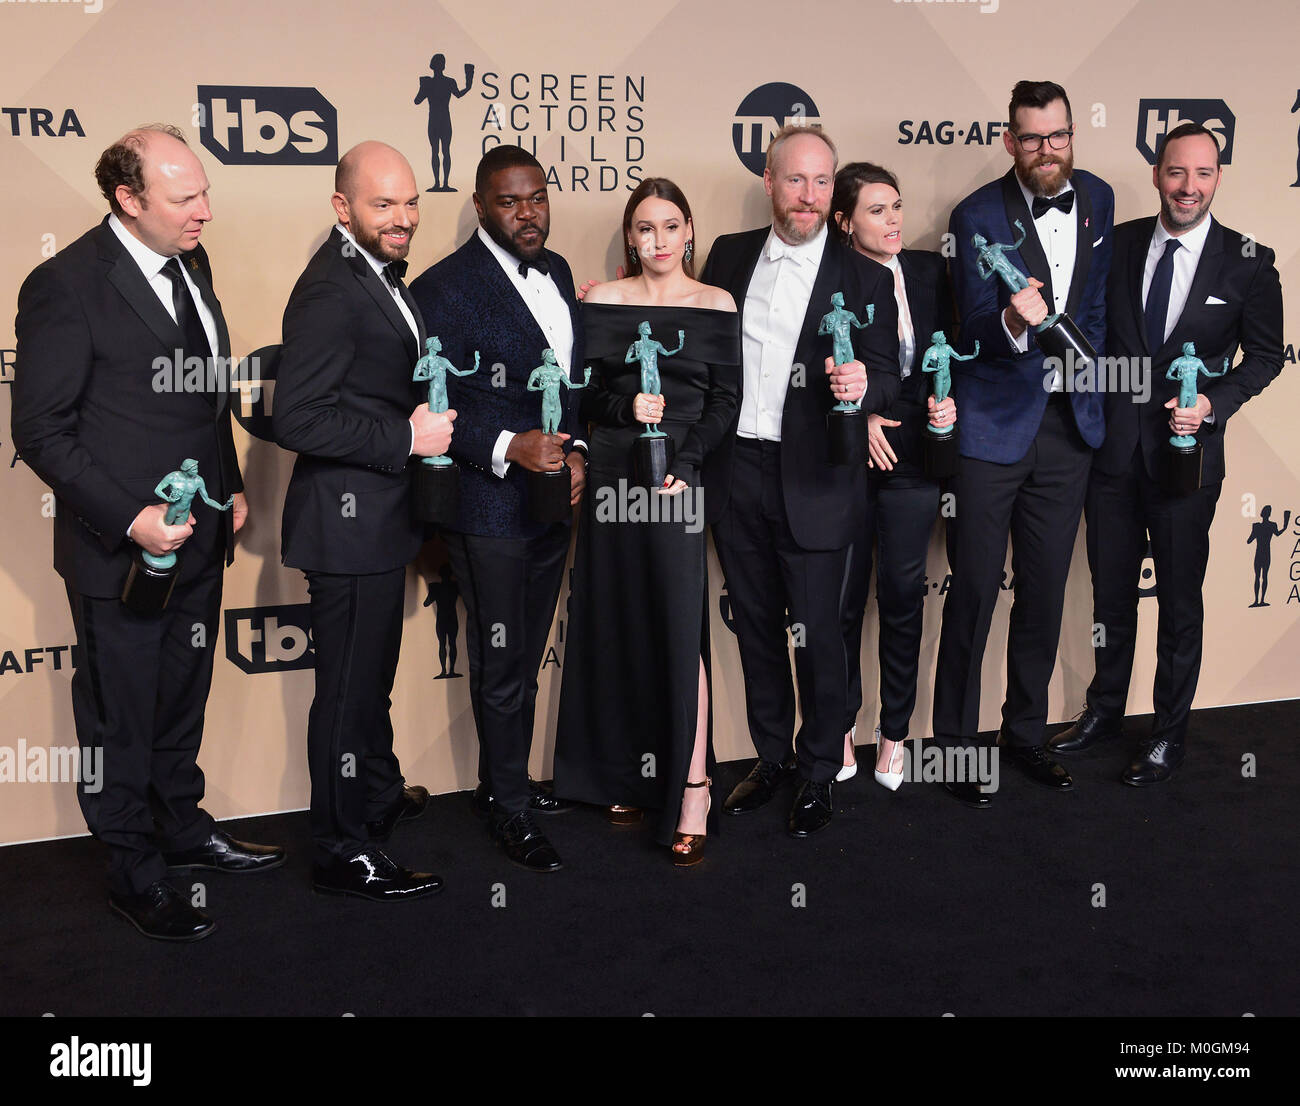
{"points": [[525, 844], [161, 912], [970, 793], [372, 875], [1155, 762], [756, 790], [1039, 767], [541, 800], [409, 805], [812, 808], [1087, 731], [222, 853]]}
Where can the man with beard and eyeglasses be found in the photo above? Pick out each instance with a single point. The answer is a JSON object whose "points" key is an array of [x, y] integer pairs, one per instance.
{"points": [[506, 297], [1180, 277], [784, 517], [1026, 437], [346, 403]]}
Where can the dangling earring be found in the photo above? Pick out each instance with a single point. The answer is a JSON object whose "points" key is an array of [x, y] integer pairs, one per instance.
{"points": [[851, 240], [689, 252], [631, 253]]}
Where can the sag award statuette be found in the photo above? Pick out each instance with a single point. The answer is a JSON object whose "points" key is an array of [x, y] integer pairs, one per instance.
{"points": [[941, 454], [435, 483], [1058, 335], [1183, 466], [652, 452], [549, 492], [846, 426], [149, 583]]}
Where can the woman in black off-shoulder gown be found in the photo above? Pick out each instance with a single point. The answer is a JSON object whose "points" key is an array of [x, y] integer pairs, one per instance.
{"points": [[634, 704]]}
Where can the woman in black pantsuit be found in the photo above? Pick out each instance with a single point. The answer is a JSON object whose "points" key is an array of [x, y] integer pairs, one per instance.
{"points": [[867, 212]]}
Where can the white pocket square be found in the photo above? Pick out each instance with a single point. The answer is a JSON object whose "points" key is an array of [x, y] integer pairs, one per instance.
{"points": [[1099, 241], [1214, 301]]}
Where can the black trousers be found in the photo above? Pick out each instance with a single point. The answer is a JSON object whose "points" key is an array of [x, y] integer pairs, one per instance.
{"points": [[510, 587], [900, 515], [1039, 500], [138, 696], [1121, 512], [356, 629], [774, 583]]}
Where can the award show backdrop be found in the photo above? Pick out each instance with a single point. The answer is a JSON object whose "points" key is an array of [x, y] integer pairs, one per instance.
{"points": [[270, 94]]}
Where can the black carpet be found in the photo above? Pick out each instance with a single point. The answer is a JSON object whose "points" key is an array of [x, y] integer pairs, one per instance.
{"points": [[908, 904]]}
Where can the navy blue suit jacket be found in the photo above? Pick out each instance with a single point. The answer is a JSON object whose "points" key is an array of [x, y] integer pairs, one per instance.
{"points": [[469, 303], [1001, 393]]}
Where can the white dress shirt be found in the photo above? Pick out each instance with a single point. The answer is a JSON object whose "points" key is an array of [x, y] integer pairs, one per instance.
{"points": [[1058, 234], [379, 267], [1185, 261], [151, 265], [775, 304], [546, 304], [906, 331]]}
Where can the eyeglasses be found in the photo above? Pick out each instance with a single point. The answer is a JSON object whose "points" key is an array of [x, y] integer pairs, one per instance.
{"points": [[1032, 143]]}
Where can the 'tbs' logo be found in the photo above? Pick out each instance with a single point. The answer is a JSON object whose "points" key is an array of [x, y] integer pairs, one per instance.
{"points": [[270, 639], [268, 126], [764, 112], [1156, 118]]}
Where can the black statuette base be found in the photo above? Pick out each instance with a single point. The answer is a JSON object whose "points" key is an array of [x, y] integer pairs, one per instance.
{"points": [[941, 455], [548, 495], [847, 431], [435, 493], [1182, 468], [652, 460], [147, 589], [1066, 342]]}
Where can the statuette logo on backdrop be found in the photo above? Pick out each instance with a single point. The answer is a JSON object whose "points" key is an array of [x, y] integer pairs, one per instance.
{"points": [[247, 125], [1156, 118], [764, 112]]}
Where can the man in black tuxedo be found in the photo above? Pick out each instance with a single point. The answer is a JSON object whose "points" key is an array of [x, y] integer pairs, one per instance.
{"points": [[344, 401], [1179, 277], [507, 297], [1027, 435], [783, 516], [101, 412]]}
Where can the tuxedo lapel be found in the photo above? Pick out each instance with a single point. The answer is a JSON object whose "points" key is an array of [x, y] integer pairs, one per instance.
{"points": [[125, 275], [1083, 240], [377, 291], [1031, 250], [826, 284], [1135, 269], [525, 332]]}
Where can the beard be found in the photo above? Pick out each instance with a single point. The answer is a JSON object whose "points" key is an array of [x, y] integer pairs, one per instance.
{"points": [[793, 233], [1051, 183], [1183, 218], [511, 244], [375, 244]]}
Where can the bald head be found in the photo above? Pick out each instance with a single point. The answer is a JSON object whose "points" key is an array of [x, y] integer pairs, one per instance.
{"points": [[156, 187], [376, 199]]}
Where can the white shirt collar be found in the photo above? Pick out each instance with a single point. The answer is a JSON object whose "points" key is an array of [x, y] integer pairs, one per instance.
{"points": [[1193, 241], [149, 261], [508, 261], [375, 263], [893, 263], [809, 252]]}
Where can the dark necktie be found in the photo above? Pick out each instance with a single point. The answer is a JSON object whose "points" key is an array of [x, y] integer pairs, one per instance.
{"points": [[1042, 204], [393, 273], [187, 314], [1157, 309], [540, 264]]}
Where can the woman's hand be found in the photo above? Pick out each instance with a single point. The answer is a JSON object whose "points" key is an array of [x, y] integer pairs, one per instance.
{"points": [[647, 408], [942, 415], [672, 485], [882, 456]]}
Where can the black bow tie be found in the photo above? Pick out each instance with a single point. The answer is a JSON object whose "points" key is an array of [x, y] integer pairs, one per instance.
{"points": [[541, 265], [394, 271], [1042, 205]]}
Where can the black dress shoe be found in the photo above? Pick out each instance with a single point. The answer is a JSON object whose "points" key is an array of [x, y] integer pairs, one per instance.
{"points": [[1155, 762], [1087, 731], [968, 792], [161, 912], [525, 844], [410, 804], [222, 853], [541, 800], [756, 790], [812, 808], [1039, 767], [372, 875]]}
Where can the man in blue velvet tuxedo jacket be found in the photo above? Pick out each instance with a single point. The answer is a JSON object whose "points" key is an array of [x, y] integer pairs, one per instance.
{"points": [[1026, 435], [1181, 277], [508, 298]]}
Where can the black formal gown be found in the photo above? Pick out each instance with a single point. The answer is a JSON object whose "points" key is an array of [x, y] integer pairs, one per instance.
{"points": [[637, 622]]}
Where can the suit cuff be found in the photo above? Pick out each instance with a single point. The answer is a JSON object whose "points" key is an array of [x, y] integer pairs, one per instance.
{"points": [[409, 423], [1019, 345], [500, 466]]}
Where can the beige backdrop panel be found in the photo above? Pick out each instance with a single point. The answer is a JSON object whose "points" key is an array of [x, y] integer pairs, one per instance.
{"points": [[676, 76]]}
